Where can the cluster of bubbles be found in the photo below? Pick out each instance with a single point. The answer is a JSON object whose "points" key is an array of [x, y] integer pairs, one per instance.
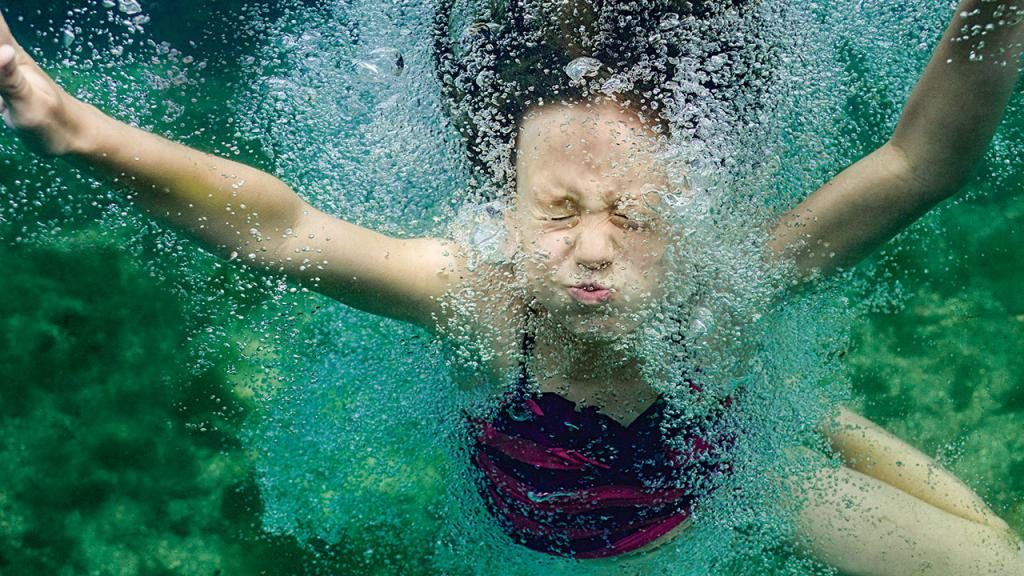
{"points": [[336, 104], [402, 116], [749, 98], [361, 84]]}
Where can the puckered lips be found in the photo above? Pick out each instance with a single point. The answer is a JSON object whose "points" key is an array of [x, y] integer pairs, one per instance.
{"points": [[590, 293]]}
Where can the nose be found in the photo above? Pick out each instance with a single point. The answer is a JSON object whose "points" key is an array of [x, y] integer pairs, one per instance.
{"points": [[594, 247]]}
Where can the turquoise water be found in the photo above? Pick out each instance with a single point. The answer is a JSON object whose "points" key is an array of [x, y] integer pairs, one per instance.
{"points": [[162, 412]]}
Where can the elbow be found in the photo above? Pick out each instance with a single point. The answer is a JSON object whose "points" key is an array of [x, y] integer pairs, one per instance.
{"points": [[935, 177]]}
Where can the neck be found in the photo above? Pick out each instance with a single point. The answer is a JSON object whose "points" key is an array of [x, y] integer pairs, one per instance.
{"points": [[577, 361], [607, 375]]}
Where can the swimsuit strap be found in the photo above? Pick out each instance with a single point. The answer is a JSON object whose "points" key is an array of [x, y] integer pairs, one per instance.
{"points": [[527, 344]]}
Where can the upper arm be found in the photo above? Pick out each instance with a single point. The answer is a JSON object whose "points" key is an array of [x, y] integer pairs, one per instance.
{"points": [[856, 212], [404, 279]]}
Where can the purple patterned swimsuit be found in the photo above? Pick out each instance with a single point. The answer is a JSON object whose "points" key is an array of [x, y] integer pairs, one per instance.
{"points": [[577, 483]]}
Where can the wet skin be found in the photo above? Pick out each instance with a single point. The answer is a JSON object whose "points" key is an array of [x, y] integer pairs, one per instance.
{"points": [[585, 220], [588, 237]]}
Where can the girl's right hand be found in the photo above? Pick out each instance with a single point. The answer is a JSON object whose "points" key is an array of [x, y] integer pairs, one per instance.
{"points": [[43, 115]]}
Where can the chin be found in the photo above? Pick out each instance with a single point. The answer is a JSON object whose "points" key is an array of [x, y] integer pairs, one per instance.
{"points": [[599, 329]]}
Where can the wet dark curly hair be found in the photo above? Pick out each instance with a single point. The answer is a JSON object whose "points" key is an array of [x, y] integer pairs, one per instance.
{"points": [[493, 66]]}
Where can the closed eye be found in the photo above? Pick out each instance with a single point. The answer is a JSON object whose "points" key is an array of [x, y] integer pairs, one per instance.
{"points": [[560, 222], [629, 223]]}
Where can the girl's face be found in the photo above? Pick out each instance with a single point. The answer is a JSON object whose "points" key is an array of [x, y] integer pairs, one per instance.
{"points": [[586, 218]]}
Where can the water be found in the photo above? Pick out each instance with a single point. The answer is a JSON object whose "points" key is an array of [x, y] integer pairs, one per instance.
{"points": [[165, 411]]}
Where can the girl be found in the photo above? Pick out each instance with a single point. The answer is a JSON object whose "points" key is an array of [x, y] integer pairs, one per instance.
{"points": [[576, 462]]}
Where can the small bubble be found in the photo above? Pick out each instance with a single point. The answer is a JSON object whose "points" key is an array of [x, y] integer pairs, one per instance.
{"points": [[581, 67], [669, 21], [616, 84], [716, 62], [483, 78], [381, 64], [129, 7]]}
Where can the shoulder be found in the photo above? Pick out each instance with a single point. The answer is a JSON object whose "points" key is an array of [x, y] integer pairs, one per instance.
{"points": [[483, 318]]}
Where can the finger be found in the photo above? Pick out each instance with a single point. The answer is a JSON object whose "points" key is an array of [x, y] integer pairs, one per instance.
{"points": [[8, 39], [5, 33], [5, 114], [12, 81]]}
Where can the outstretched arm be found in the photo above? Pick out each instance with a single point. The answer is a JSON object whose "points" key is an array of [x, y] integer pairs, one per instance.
{"points": [[943, 132], [232, 209]]}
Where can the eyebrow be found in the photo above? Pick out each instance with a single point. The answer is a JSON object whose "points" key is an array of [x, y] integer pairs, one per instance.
{"points": [[556, 190], [554, 194], [548, 199]]}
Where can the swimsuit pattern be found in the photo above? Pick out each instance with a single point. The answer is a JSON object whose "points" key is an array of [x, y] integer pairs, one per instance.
{"points": [[575, 482]]}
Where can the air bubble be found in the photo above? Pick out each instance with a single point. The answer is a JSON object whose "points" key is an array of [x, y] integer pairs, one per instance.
{"points": [[129, 7], [381, 64], [615, 84], [582, 67], [669, 21]]}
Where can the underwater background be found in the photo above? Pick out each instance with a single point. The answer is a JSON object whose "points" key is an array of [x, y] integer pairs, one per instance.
{"points": [[137, 373]]}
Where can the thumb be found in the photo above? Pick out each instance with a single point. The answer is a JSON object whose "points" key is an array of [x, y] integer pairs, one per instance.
{"points": [[13, 85], [5, 113]]}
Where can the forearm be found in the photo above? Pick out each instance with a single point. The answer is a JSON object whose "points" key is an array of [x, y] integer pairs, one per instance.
{"points": [[868, 449], [946, 125], [953, 111], [229, 207]]}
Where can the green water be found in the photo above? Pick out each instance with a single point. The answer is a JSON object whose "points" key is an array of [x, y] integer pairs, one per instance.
{"points": [[128, 362]]}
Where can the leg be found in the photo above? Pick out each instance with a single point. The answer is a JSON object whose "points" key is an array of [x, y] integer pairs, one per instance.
{"points": [[863, 526]]}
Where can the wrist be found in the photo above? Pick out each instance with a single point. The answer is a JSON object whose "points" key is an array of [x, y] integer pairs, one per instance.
{"points": [[87, 128]]}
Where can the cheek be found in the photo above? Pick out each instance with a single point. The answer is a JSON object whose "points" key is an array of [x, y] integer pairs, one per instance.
{"points": [[545, 250], [536, 262], [645, 250], [646, 266]]}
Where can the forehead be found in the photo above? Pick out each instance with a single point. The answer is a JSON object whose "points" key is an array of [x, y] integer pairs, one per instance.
{"points": [[601, 129], [586, 149]]}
